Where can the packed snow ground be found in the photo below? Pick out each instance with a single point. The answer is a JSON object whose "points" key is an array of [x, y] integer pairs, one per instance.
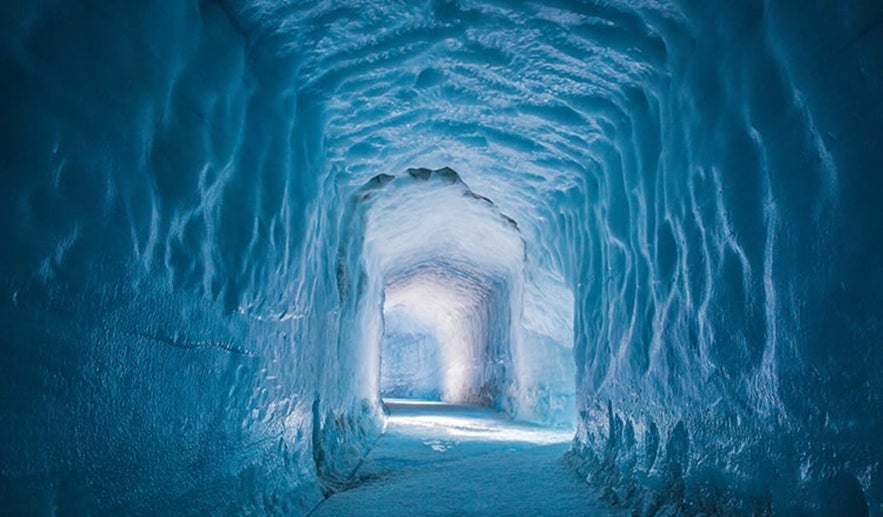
{"points": [[440, 459]]}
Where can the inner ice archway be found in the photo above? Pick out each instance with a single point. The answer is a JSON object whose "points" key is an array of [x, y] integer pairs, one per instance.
{"points": [[442, 300]]}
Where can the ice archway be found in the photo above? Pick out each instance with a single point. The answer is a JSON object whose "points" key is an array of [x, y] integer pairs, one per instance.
{"points": [[443, 263], [193, 288]]}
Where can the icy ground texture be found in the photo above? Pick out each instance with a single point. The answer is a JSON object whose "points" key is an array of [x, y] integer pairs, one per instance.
{"points": [[191, 300], [442, 460]]}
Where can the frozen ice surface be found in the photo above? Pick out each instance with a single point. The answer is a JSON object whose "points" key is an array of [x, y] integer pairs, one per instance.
{"points": [[441, 459]]}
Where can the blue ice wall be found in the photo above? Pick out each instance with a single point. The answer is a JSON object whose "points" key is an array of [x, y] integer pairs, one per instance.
{"points": [[410, 360], [727, 329], [183, 283], [164, 315]]}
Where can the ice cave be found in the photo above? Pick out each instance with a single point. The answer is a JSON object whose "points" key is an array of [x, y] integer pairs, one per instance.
{"points": [[622, 257]]}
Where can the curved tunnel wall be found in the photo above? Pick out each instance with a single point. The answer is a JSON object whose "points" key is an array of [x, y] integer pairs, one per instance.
{"points": [[704, 178], [718, 325], [170, 308]]}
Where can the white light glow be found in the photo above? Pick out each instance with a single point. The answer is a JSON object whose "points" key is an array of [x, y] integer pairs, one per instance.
{"points": [[465, 423]]}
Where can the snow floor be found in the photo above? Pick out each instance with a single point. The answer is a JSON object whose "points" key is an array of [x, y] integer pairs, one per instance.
{"points": [[440, 459]]}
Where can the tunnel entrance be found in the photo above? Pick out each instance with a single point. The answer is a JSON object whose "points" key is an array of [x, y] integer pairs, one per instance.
{"points": [[448, 305]]}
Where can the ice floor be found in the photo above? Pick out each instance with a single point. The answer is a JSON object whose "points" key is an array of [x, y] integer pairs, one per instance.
{"points": [[440, 459]]}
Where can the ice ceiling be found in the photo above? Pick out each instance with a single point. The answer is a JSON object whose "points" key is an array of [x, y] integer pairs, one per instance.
{"points": [[231, 225]]}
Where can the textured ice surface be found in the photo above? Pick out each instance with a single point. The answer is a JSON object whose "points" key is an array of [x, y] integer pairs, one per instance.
{"points": [[193, 304], [442, 460]]}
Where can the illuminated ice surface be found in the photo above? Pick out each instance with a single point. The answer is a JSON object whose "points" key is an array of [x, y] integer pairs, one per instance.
{"points": [[454, 424], [230, 226]]}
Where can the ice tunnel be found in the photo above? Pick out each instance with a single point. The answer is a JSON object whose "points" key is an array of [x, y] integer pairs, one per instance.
{"points": [[231, 227]]}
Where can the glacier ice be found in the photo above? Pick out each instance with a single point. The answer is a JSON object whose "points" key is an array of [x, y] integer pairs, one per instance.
{"points": [[230, 226]]}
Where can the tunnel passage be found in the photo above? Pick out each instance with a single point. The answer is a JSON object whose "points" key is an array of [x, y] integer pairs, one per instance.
{"points": [[443, 276], [188, 306]]}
